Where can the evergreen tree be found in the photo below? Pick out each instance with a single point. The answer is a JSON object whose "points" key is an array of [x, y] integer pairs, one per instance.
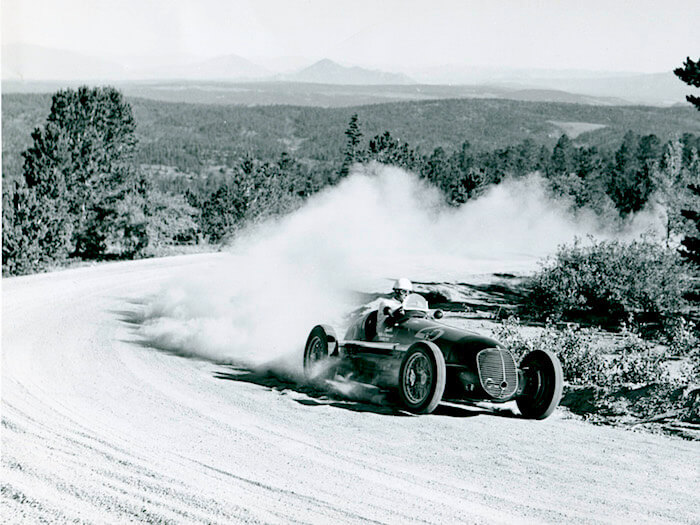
{"points": [[691, 146], [690, 74], [465, 157], [691, 213], [561, 171], [631, 182], [72, 172], [220, 213], [388, 150], [467, 185], [691, 243], [83, 158], [35, 230], [528, 157], [563, 157], [588, 163], [544, 158], [353, 152], [167, 219], [671, 187], [435, 169]]}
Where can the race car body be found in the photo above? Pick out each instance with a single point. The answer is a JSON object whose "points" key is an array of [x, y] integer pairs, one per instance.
{"points": [[428, 361]]}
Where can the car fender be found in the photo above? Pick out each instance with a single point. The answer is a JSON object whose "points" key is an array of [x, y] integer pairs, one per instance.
{"points": [[332, 338]]}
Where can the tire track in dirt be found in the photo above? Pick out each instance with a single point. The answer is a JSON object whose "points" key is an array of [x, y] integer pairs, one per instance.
{"points": [[96, 427]]}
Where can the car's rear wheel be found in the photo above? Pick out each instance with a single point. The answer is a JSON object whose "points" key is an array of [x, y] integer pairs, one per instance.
{"points": [[422, 378], [544, 384], [319, 346]]}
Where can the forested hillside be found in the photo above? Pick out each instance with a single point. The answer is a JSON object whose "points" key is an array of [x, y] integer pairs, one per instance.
{"points": [[201, 172], [193, 136]]}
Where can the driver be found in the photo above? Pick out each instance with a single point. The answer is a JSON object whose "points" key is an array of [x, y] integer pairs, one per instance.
{"points": [[391, 308]]}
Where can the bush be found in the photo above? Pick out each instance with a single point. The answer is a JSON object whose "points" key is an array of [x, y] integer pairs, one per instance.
{"points": [[636, 361], [36, 231], [609, 282], [681, 336], [510, 335], [636, 369], [170, 220], [581, 360], [588, 358]]}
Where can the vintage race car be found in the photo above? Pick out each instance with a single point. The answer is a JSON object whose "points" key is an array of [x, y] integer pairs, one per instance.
{"points": [[428, 362]]}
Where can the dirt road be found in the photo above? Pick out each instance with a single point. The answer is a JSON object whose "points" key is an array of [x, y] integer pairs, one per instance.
{"points": [[99, 428]]}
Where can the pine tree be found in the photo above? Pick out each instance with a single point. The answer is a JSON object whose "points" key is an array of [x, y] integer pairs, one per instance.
{"points": [[81, 160], [671, 182], [563, 157], [35, 230], [561, 171], [388, 150], [220, 213], [691, 213], [527, 157], [691, 243], [632, 181], [436, 171], [353, 150], [690, 74]]}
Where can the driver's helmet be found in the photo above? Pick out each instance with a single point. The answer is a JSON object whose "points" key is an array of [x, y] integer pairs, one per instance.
{"points": [[402, 287]]}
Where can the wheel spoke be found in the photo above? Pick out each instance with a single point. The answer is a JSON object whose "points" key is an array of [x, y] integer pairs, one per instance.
{"points": [[417, 378], [317, 350]]}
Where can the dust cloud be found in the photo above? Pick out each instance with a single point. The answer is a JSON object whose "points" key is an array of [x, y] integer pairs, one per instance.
{"points": [[280, 278]]}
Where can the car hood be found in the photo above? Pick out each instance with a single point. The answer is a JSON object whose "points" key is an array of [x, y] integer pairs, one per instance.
{"points": [[459, 346]]}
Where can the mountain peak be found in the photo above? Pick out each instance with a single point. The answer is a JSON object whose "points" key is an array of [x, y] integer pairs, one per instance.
{"points": [[326, 62], [326, 71]]}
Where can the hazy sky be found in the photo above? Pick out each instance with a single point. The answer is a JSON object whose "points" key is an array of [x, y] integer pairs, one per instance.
{"points": [[642, 35]]}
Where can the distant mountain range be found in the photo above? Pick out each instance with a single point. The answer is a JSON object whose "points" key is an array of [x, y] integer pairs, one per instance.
{"points": [[328, 72], [656, 88], [228, 67], [35, 63], [663, 89], [23, 65], [31, 63], [22, 62]]}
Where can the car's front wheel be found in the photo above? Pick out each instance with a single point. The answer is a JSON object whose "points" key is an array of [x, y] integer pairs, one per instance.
{"points": [[422, 378], [319, 346], [544, 382]]}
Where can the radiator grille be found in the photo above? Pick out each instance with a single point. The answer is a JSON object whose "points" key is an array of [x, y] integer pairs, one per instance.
{"points": [[497, 372]]}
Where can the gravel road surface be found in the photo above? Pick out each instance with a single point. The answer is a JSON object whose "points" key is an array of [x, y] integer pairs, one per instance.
{"points": [[98, 427]]}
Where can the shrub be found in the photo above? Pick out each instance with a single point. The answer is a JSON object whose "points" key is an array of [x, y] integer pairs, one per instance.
{"points": [[509, 333], [581, 360], [681, 336], [170, 220], [36, 230], [609, 282], [588, 358], [636, 369], [636, 362], [690, 371]]}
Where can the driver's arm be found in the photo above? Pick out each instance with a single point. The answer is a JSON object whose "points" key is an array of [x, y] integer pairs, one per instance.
{"points": [[397, 314]]}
